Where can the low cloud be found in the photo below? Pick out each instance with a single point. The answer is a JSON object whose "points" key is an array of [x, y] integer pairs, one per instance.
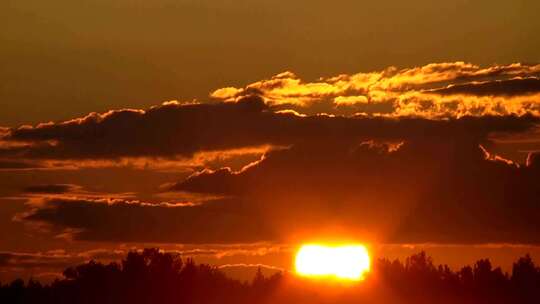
{"points": [[382, 179], [51, 188], [12, 165], [420, 191], [134, 221]]}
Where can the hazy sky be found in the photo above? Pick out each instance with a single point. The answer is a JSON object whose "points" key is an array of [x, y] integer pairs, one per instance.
{"points": [[405, 124], [61, 58]]}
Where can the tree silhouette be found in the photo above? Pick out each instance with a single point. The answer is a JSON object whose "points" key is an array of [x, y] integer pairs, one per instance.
{"points": [[153, 276]]}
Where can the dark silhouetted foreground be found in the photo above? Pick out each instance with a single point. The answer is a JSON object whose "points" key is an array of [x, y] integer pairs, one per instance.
{"points": [[152, 276]]}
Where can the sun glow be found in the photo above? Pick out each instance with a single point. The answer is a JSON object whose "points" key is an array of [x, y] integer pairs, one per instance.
{"points": [[344, 262]]}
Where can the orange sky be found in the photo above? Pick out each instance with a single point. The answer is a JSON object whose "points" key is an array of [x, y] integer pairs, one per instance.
{"points": [[233, 131]]}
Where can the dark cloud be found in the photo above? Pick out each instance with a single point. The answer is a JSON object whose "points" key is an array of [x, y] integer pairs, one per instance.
{"points": [[358, 138], [35, 260], [220, 221], [220, 181], [395, 195], [533, 160], [17, 165], [167, 130], [173, 130], [510, 87], [446, 190], [51, 188], [391, 180]]}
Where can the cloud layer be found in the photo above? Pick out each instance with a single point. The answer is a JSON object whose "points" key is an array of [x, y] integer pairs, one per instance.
{"points": [[444, 153], [122, 220], [410, 181]]}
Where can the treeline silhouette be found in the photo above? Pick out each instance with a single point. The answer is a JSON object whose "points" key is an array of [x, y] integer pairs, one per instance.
{"points": [[152, 276]]}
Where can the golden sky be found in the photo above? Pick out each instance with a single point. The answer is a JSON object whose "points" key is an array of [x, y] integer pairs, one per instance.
{"points": [[61, 59], [235, 130]]}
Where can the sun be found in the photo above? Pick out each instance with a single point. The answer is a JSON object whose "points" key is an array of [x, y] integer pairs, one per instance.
{"points": [[343, 262]]}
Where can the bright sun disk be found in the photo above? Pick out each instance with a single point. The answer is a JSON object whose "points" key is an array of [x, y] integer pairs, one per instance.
{"points": [[345, 262]]}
